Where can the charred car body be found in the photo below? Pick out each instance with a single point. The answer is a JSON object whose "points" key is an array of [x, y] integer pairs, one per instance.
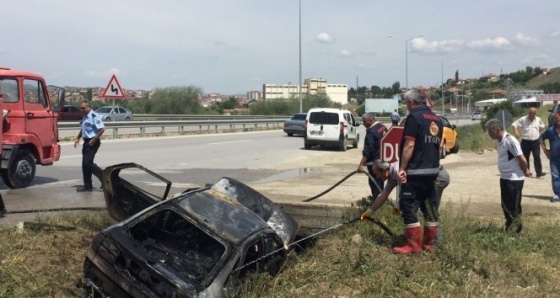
{"points": [[198, 243]]}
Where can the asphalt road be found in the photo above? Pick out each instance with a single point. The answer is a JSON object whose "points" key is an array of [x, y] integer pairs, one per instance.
{"points": [[187, 161]]}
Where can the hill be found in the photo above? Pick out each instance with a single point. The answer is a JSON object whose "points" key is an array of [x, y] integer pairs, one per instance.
{"points": [[551, 77]]}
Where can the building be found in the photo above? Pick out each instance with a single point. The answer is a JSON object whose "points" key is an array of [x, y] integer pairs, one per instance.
{"points": [[254, 95], [312, 86]]}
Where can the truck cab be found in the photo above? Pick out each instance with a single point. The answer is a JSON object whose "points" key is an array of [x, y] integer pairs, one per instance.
{"points": [[29, 126]]}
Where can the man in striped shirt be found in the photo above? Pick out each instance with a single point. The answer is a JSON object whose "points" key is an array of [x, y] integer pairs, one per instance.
{"points": [[513, 170]]}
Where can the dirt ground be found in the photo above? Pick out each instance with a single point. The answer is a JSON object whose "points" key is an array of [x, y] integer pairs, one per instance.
{"points": [[474, 187]]}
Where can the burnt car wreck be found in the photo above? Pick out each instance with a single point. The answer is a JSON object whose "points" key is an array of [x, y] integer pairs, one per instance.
{"points": [[199, 243]]}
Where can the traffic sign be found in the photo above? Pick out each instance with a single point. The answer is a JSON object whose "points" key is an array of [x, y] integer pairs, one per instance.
{"points": [[113, 89], [390, 144]]}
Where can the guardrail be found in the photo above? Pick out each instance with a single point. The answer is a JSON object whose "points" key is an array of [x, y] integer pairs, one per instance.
{"points": [[179, 126], [203, 125]]}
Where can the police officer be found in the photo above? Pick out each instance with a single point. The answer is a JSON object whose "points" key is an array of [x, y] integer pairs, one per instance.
{"points": [[92, 129], [419, 168]]}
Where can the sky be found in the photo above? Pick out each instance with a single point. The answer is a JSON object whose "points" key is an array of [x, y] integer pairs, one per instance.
{"points": [[235, 46]]}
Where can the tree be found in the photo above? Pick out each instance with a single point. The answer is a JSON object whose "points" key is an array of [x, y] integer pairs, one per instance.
{"points": [[375, 90], [176, 100], [457, 76], [396, 88]]}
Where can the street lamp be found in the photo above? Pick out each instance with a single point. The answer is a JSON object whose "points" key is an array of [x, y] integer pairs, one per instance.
{"points": [[406, 52], [299, 85], [442, 99]]}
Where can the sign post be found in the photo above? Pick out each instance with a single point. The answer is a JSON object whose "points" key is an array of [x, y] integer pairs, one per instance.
{"points": [[390, 149], [114, 91], [390, 144]]}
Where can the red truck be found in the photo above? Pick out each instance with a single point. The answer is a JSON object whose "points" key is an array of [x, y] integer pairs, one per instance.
{"points": [[29, 126]]}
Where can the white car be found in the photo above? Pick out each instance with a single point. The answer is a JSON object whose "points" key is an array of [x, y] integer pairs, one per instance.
{"points": [[114, 113], [476, 116], [331, 127]]}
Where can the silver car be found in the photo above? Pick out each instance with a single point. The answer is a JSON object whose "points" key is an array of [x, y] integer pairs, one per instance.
{"points": [[114, 113]]}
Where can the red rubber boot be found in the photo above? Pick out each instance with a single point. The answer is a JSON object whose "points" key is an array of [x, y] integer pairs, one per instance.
{"points": [[430, 233], [414, 237]]}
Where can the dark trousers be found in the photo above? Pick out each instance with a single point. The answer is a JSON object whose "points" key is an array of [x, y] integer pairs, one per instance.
{"points": [[511, 192], [88, 167], [374, 190], [418, 192], [2, 207], [529, 147]]}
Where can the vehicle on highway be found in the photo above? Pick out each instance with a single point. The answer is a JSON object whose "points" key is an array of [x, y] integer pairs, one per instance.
{"points": [[476, 116], [114, 113], [295, 125], [330, 127], [29, 134], [199, 243], [449, 137], [68, 112]]}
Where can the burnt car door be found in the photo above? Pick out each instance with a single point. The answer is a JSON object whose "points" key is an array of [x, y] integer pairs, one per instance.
{"points": [[124, 199]]}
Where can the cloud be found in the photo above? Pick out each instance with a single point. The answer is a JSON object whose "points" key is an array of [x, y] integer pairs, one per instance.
{"points": [[324, 37], [555, 34], [102, 74], [523, 40], [346, 53], [538, 58], [497, 43], [444, 46]]}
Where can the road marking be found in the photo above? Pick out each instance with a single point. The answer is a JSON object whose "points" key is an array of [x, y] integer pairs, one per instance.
{"points": [[219, 143], [65, 182], [70, 156]]}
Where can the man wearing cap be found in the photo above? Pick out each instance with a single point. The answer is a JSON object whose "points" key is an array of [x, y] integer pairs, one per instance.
{"points": [[531, 128], [92, 130]]}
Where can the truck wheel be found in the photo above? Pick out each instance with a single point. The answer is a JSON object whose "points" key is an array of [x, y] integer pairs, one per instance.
{"points": [[21, 171]]}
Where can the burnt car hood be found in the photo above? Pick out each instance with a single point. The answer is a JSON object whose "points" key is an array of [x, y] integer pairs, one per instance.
{"points": [[124, 199]]}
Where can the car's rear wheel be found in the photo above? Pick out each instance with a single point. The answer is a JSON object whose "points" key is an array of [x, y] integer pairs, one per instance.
{"points": [[307, 146], [455, 148], [343, 146], [290, 134], [355, 143], [107, 119], [127, 119]]}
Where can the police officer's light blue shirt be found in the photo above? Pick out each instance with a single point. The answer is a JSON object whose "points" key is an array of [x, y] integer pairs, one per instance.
{"points": [[91, 124]]}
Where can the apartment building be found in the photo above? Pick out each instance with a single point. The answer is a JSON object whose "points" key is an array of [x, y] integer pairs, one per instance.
{"points": [[312, 86]]}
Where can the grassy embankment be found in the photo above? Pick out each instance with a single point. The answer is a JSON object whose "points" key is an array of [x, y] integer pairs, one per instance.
{"points": [[476, 258]]}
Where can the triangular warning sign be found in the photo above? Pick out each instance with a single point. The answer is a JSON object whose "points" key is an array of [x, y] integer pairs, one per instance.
{"points": [[113, 89]]}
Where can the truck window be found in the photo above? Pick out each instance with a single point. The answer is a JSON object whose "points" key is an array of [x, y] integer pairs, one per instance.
{"points": [[9, 90], [34, 93]]}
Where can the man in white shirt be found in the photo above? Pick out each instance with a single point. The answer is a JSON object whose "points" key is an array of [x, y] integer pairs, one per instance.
{"points": [[513, 170], [531, 128]]}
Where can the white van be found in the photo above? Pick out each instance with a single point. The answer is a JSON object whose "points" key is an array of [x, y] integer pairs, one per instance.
{"points": [[330, 127]]}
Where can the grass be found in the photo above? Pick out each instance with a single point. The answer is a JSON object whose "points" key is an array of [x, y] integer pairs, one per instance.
{"points": [[476, 259]]}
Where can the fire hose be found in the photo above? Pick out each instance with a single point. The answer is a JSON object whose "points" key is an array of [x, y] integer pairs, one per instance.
{"points": [[370, 219]]}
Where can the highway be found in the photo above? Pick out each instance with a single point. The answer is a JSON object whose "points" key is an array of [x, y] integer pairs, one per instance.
{"points": [[187, 161]]}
